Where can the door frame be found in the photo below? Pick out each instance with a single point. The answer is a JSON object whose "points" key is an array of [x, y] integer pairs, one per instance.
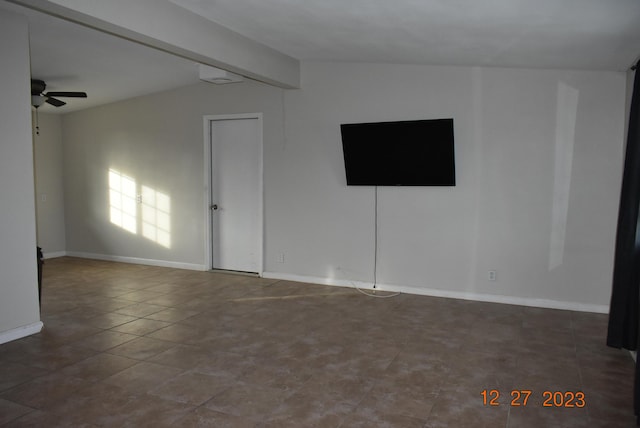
{"points": [[208, 167]]}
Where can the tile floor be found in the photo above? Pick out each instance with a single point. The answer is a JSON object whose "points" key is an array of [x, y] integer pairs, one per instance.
{"points": [[136, 346]]}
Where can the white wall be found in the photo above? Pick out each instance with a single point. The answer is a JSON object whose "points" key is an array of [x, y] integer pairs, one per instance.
{"points": [[158, 141], [538, 152], [511, 205], [19, 314], [48, 164]]}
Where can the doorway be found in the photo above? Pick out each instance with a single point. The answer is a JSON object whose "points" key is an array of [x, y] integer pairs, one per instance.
{"points": [[233, 156]]}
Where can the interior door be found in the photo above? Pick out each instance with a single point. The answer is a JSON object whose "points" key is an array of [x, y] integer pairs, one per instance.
{"points": [[236, 186]]}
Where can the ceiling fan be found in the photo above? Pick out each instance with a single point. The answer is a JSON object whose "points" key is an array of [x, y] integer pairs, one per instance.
{"points": [[39, 97]]}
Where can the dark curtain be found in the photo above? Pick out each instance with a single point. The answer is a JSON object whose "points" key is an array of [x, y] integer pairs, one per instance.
{"points": [[625, 298]]}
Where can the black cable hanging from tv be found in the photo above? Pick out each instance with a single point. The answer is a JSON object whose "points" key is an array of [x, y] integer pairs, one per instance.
{"points": [[375, 239], [375, 254]]}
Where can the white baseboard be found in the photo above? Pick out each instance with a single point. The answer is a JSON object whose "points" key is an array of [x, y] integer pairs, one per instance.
{"points": [[480, 297], [137, 261], [54, 254], [20, 332]]}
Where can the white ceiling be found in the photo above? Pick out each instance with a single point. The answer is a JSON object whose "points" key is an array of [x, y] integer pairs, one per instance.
{"points": [[573, 34], [71, 57], [577, 34]]}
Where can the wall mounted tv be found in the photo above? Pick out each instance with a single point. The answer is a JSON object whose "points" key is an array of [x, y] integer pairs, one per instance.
{"points": [[405, 153]]}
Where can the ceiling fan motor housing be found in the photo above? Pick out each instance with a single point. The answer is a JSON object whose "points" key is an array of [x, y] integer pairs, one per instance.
{"points": [[37, 86]]}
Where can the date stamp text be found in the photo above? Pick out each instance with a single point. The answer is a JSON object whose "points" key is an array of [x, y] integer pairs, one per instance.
{"points": [[521, 398]]}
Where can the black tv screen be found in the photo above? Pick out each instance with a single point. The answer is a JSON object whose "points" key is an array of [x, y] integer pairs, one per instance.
{"points": [[405, 153]]}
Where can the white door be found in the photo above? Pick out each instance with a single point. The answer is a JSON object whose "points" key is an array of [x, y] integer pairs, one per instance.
{"points": [[236, 189]]}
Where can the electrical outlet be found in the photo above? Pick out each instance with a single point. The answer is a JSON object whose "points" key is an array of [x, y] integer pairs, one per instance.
{"points": [[492, 275], [280, 257]]}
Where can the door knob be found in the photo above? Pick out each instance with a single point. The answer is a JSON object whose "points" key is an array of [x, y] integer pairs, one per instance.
{"points": [[214, 207]]}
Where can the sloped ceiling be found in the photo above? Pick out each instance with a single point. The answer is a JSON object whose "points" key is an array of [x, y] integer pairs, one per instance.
{"points": [[71, 57]]}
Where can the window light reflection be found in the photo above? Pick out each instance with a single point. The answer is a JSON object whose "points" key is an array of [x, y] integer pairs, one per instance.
{"points": [[156, 216], [155, 213], [122, 201]]}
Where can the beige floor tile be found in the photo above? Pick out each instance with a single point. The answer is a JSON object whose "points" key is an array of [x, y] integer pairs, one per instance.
{"points": [[10, 411], [192, 388], [130, 345], [142, 377]]}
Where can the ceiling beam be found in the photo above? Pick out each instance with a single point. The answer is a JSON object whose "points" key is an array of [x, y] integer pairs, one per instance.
{"points": [[163, 25]]}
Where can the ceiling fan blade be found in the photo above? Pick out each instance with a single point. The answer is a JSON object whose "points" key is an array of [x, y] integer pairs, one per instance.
{"points": [[67, 94], [55, 102]]}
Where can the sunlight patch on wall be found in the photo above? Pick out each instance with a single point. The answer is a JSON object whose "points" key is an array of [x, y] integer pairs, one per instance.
{"points": [[566, 113], [122, 201], [156, 216]]}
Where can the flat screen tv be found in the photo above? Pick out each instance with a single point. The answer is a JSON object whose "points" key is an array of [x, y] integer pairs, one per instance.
{"points": [[405, 153]]}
